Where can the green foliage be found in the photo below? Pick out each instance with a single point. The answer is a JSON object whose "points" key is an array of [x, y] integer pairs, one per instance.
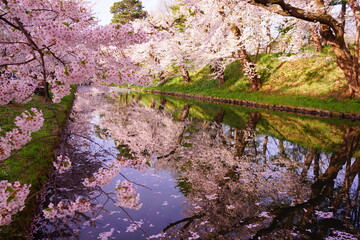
{"points": [[125, 151], [126, 11], [33, 163], [337, 2]]}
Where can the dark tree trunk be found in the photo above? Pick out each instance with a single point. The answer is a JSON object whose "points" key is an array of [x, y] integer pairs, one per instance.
{"points": [[248, 66], [316, 38], [185, 112], [220, 79], [264, 150], [331, 30], [153, 102], [351, 172], [343, 153], [356, 10], [316, 166], [307, 163], [268, 49], [184, 73], [219, 118], [281, 148], [162, 81], [344, 58], [162, 104], [241, 135]]}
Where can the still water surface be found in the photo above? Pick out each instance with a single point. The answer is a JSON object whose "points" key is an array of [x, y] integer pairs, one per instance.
{"points": [[151, 167]]}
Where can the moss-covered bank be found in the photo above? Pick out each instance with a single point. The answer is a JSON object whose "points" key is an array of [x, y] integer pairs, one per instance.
{"points": [[33, 163]]}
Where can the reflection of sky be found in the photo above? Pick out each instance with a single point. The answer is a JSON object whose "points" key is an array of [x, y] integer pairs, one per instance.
{"points": [[161, 206]]}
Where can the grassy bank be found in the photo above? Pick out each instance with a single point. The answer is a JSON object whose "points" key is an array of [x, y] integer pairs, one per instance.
{"points": [[314, 82], [33, 163]]}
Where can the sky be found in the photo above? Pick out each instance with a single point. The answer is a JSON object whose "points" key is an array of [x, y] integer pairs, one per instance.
{"points": [[101, 8]]}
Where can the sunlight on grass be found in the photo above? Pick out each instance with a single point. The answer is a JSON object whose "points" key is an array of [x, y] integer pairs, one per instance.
{"points": [[314, 82]]}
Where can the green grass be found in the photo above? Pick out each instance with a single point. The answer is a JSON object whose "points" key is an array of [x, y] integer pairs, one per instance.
{"points": [[322, 134], [314, 82], [33, 163]]}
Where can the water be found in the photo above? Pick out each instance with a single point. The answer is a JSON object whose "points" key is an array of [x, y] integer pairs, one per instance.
{"points": [[180, 169]]}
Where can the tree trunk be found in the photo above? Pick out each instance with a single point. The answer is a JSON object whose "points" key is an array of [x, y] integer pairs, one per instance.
{"points": [[47, 92], [153, 102], [248, 67], [220, 79], [331, 30], [316, 166], [307, 164], [219, 117], [347, 63], [184, 73], [344, 59], [162, 103], [266, 138], [218, 71], [281, 148], [343, 153], [356, 10], [162, 79], [268, 49], [315, 37], [126, 99], [351, 172], [241, 136], [185, 112]]}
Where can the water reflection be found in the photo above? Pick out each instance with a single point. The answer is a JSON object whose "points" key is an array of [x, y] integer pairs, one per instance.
{"points": [[146, 167]]}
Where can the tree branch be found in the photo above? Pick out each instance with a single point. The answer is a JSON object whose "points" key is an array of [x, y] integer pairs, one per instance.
{"points": [[19, 63], [9, 23], [291, 11]]}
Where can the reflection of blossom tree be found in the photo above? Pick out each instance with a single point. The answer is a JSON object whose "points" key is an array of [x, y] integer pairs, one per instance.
{"points": [[229, 196], [224, 197], [245, 135], [252, 196], [316, 223], [127, 196], [146, 131], [73, 197]]}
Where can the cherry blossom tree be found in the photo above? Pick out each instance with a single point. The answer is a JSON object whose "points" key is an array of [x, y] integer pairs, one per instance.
{"points": [[207, 33], [168, 49], [225, 30], [43, 43], [56, 44], [148, 132], [331, 29]]}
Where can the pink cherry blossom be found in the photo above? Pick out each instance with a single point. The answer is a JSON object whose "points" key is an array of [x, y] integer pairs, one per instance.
{"points": [[12, 200]]}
